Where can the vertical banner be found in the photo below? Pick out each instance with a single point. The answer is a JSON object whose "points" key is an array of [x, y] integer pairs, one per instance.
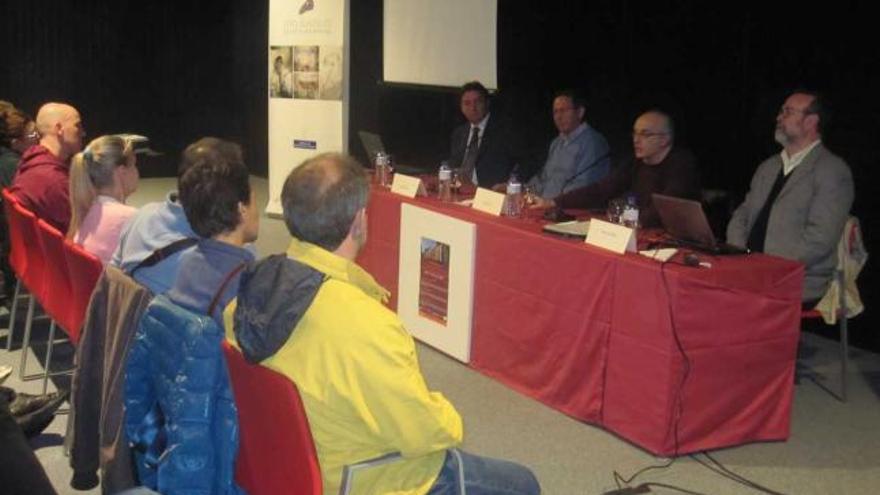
{"points": [[308, 85]]}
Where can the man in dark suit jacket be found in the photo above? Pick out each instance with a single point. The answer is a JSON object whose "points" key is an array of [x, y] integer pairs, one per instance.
{"points": [[799, 200], [498, 148]]}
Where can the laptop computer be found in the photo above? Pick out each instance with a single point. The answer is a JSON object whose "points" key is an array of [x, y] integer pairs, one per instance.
{"points": [[372, 144], [686, 222]]}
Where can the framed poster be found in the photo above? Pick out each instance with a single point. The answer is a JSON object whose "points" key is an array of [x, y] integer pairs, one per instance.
{"points": [[436, 279]]}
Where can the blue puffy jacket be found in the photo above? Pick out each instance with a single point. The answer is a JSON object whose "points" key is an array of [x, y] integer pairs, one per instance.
{"points": [[180, 414]]}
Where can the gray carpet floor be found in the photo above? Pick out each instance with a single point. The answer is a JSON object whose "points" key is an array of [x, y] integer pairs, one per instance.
{"points": [[834, 447]]}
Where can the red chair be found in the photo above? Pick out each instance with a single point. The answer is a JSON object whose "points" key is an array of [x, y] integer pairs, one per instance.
{"points": [[23, 232], [18, 254], [276, 453], [55, 297], [846, 247], [85, 269]]}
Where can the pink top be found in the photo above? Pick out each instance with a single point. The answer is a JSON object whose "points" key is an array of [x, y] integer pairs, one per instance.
{"points": [[99, 231]]}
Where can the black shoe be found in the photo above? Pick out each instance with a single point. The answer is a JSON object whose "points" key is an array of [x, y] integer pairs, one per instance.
{"points": [[27, 403], [34, 422]]}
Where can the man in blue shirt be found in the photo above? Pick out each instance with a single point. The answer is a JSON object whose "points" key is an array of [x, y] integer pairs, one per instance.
{"points": [[579, 156]]}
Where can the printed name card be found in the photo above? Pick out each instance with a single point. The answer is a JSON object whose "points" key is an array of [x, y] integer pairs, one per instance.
{"points": [[488, 201], [611, 236], [408, 186]]}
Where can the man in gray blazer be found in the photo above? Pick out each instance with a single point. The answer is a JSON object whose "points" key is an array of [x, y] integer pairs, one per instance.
{"points": [[799, 200]]}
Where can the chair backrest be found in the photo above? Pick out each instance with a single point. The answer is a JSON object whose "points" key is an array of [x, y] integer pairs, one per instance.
{"points": [[276, 452], [55, 296], [17, 251], [24, 224], [85, 269]]}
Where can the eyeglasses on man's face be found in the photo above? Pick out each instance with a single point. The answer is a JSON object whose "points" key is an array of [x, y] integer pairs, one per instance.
{"points": [[787, 111], [646, 134]]}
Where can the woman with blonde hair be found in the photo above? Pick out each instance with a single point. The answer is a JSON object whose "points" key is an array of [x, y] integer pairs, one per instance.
{"points": [[101, 177]]}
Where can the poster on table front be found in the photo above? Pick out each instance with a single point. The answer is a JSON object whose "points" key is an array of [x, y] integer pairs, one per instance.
{"points": [[436, 279], [308, 85]]}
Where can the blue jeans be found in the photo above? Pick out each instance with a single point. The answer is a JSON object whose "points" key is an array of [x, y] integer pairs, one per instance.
{"points": [[483, 476]]}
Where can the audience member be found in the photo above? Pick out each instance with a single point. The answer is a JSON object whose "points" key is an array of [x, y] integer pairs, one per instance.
{"points": [[216, 196], [579, 155], [18, 132], [161, 224], [21, 471], [356, 368], [657, 166], [101, 177], [798, 200], [486, 148], [42, 182]]}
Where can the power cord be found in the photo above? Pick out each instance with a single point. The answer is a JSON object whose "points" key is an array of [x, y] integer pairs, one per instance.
{"points": [[618, 478], [715, 466]]}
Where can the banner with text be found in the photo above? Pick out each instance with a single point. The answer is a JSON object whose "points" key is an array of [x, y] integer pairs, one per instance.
{"points": [[308, 85]]}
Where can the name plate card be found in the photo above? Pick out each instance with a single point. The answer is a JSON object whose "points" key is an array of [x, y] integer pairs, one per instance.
{"points": [[488, 201], [408, 186], [611, 236]]}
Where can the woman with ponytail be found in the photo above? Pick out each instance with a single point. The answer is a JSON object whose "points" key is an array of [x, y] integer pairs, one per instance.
{"points": [[101, 177]]}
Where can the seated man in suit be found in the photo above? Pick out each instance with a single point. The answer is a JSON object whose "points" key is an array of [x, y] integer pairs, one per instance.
{"points": [[657, 166], [579, 155], [799, 200], [485, 148]]}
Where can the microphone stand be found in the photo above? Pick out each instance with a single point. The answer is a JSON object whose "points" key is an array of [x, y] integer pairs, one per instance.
{"points": [[556, 214]]}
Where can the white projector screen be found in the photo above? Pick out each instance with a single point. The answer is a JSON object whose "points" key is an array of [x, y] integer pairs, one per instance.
{"points": [[440, 42]]}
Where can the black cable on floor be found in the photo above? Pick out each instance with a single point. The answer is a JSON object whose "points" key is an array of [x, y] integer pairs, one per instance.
{"points": [[678, 395]]}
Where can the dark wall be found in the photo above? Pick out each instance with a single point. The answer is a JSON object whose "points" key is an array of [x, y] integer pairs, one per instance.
{"points": [[180, 70], [174, 71]]}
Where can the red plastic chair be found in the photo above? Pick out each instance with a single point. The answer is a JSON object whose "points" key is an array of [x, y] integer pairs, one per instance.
{"points": [[276, 453], [23, 229], [850, 232], [55, 297], [85, 269], [17, 260]]}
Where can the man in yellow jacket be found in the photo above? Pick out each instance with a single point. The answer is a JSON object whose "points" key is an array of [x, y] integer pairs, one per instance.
{"points": [[318, 318]]}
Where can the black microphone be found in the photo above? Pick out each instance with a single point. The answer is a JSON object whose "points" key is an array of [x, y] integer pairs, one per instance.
{"points": [[583, 171], [556, 214]]}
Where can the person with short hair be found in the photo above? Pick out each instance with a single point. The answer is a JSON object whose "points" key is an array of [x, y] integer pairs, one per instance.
{"points": [[159, 224], [487, 148], [42, 182], [578, 156], [18, 132], [102, 176], [658, 165], [318, 318], [216, 195], [799, 200]]}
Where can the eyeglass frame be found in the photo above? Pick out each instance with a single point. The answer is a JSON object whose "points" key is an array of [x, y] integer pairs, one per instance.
{"points": [[647, 134]]}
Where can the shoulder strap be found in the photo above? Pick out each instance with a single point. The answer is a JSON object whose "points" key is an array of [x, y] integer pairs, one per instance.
{"points": [[164, 252], [235, 271]]}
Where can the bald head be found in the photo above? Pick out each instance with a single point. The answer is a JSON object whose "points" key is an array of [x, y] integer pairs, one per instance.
{"points": [[653, 135], [322, 197], [61, 129]]}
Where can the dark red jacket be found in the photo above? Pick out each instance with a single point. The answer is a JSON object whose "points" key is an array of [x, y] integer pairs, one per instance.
{"points": [[42, 185]]}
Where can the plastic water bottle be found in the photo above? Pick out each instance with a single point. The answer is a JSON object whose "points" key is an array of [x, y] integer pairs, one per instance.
{"points": [[444, 183], [514, 198], [630, 215], [383, 169]]}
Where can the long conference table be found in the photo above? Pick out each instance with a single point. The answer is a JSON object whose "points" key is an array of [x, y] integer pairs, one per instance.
{"points": [[672, 358]]}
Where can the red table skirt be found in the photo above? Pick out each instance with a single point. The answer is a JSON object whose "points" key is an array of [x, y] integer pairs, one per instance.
{"points": [[672, 358]]}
